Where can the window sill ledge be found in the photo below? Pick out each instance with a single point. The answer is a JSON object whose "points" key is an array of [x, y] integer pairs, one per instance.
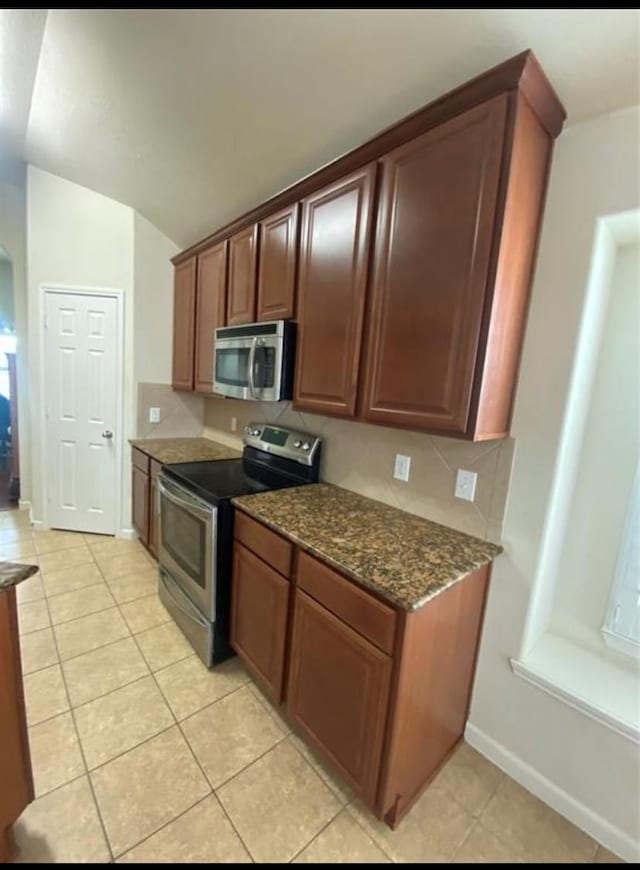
{"points": [[588, 682]]}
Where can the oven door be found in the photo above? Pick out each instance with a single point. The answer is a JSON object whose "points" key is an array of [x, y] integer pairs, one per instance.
{"points": [[248, 368], [187, 543]]}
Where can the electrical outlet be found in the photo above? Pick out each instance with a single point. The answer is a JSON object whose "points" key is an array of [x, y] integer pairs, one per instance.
{"points": [[234, 424], [154, 415], [466, 484], [401, 467]]}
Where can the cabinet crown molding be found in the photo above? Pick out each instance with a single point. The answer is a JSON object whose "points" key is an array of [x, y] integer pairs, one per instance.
{"points": [[521, 72]]}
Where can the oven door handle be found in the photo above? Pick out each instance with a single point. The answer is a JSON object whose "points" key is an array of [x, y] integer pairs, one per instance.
{"points": [[192, 614], [250, 366], [191, 506]]}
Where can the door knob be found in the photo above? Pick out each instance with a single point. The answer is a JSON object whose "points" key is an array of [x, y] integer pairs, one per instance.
{"points": [[107, 433]]}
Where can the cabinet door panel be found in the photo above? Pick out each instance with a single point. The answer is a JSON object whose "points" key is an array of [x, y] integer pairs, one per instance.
{"points": [[338, 693], [433, 245], [184, 311], [334, 250], [211, 300], [243, 258], [259, 608], [277, 272], [140, 503]]}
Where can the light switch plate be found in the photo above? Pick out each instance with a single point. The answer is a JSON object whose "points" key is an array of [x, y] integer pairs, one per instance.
{"points": [[234, 424], [154, 415], [401, 467], [466, 484]]}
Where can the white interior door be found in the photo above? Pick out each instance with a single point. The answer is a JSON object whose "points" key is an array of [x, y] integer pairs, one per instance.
{"points": [[81, 395]]}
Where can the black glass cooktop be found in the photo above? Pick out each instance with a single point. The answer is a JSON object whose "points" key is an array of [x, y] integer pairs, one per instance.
{"points": [[222, 479]]}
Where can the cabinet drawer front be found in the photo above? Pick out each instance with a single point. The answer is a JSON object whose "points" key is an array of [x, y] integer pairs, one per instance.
{"points": [[140, 460], [265, 543], [364, 613]]}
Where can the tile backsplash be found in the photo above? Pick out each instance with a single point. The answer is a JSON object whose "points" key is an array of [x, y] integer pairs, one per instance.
{"points": [[181, 413], [360, 457]]}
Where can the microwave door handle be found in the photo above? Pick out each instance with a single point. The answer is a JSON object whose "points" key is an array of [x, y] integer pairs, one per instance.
{"points": [[250, 366]]}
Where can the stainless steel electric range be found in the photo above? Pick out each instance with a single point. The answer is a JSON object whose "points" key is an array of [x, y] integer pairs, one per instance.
{"points": [[196, 526]]}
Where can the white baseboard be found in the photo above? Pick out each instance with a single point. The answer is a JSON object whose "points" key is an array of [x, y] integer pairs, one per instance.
{"points": [[604, 832], [127, 534], [39, 525]]}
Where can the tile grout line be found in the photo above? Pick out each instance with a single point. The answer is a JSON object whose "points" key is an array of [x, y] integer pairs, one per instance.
{"points": [[79, 655], [162, 827], [333, 818], [206, 778], [472, 828], [84, 760], [195, 758]]}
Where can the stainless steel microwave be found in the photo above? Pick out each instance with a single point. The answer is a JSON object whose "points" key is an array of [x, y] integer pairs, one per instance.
{"points": [[255, 361]]}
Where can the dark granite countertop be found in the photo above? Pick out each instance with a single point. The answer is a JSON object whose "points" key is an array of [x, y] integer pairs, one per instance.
{"points": [[168, 450], [403, 557], [12, 573]]}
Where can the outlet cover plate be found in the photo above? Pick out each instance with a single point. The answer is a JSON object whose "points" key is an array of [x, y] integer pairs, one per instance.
{"points": [[154, 415], [402, 467], [466, 484]]}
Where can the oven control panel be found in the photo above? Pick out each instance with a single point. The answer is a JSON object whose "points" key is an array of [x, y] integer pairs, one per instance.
{"points": [[281, 441]]}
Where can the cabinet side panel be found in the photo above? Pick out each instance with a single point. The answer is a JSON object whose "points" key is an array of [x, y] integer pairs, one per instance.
{"points": [[524, 206], [433, 691], [16, 786]]}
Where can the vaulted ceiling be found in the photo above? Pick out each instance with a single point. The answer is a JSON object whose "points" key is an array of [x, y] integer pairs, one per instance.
{"points": [[192, 117]]}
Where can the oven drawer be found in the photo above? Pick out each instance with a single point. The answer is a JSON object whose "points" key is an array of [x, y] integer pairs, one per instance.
{"points": [[197, 629], [273, 549], [348, 601]]}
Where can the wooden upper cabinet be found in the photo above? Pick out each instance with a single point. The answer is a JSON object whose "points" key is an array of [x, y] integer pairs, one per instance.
{"points": [[184, 312], [277, 270], [211, 300], [334, 250], [436, 221], [243, 262]]}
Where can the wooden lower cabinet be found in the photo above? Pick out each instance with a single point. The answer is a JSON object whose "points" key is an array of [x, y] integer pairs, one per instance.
{"points": [[145, 515], [338, 693], [140, 503], [16, 782], [259, 613], [383, 694]]}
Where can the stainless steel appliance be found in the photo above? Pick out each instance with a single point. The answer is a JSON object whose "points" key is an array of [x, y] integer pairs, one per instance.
{"points": [[255, 361], [196, 526]]}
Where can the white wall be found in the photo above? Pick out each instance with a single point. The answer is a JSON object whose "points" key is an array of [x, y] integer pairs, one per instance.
{"points": [[6, 292], [13, 240], [575, 762], [77, 238], [153, 306]]}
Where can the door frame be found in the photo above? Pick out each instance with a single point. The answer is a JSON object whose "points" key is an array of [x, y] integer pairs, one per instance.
{"points": [[75, 290]]}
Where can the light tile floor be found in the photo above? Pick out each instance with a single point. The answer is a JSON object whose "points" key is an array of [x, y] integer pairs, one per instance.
{"points": [[142, 755]]}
